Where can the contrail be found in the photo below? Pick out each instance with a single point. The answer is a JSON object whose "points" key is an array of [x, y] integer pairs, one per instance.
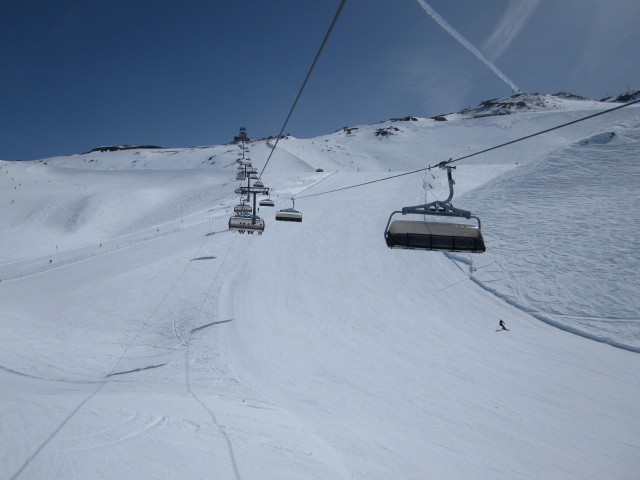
{"points": [[443, 23], [513, 20]]}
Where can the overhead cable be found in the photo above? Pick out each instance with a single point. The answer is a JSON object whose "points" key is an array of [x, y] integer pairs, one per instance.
{"points": [[304, 84], [452, 160]]}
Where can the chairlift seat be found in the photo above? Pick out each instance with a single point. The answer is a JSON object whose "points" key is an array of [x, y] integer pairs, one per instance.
{"points": [[243, 208], [267, 202], [288, 215], [246, 223], [421, 235]]}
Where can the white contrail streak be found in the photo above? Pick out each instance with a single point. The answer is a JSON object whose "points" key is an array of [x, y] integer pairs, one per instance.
{"points": [[514, 19], [443, 23]]}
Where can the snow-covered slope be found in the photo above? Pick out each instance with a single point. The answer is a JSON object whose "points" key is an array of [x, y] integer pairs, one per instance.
{"points": [[142, 339], [570, 217]]}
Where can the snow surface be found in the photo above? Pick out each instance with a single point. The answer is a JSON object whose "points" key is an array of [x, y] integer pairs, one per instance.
{"points": [[142, 339]]}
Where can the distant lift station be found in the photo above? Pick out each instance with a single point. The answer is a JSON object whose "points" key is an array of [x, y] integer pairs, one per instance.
{"points": [[242, 136]]}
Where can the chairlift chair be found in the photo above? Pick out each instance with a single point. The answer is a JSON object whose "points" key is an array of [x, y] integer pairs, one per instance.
{"points": [[258, 184], [289, 214], [243, 208], [244, 222], [267, 202], [435, 235]]}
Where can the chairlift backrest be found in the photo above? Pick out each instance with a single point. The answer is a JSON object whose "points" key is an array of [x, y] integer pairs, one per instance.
{"points": [[246, 222], [423, 235], [243, 208]]}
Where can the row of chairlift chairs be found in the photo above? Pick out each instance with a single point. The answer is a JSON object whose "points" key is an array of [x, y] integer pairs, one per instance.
{"points": [[422, 234], [245, 218]]}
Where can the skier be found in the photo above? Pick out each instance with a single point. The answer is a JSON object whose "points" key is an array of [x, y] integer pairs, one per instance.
{"points": [[503, 326]]}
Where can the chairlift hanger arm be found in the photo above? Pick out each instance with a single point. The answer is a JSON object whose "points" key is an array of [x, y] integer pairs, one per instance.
{"points": [[439, 207]]}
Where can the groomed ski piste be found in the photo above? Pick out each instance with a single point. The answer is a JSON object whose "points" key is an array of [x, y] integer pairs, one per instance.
{"points": [[143, 339]]}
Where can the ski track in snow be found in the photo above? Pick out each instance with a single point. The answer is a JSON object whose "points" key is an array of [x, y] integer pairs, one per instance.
{"points": [[182, 341], [113, 372]]}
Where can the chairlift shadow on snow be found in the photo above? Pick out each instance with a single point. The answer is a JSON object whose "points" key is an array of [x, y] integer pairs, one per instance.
{"points": [[213, 233], [211, 257], [202, 327]]}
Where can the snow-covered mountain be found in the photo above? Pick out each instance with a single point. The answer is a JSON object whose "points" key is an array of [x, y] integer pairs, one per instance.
{"points": [[529, 102], [142, 339]]}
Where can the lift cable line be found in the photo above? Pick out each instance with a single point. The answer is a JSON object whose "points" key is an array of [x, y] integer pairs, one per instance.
{"points": [[304, 84], [452, 160]]}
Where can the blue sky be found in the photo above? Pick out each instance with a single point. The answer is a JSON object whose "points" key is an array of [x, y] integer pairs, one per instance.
{"points": [[78, 74]]}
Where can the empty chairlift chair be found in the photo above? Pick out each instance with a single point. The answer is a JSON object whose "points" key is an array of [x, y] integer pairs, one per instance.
{"points": [[435, 235], [289, 214], [242, 208], [267, 202]]}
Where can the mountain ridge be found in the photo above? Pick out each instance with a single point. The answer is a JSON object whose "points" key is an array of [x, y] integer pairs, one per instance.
{"points": [[517, 103]]}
